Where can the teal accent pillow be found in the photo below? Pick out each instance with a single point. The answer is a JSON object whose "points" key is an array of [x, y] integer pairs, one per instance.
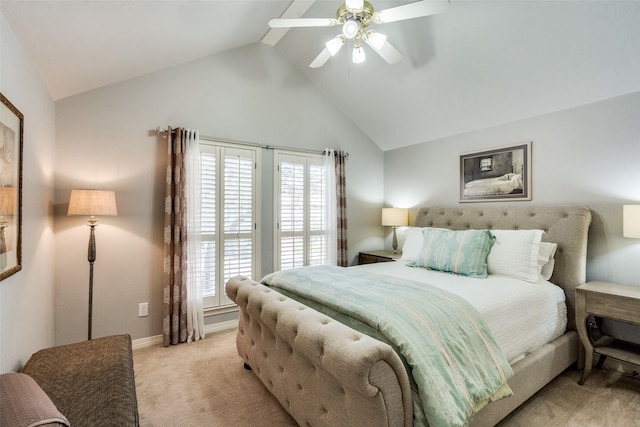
{"points": [[459, 252]]}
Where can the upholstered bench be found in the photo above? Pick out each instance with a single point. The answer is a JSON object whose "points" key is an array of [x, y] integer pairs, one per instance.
{"points": [[90, 383]]}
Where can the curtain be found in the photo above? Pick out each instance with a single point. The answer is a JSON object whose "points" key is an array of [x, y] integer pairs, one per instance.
{"points": [[334, 166], [331, 217], [183, 319], [195, 302]]}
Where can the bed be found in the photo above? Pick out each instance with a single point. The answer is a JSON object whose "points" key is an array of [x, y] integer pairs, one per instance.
{"points": [[324, 372], [504, 184]]}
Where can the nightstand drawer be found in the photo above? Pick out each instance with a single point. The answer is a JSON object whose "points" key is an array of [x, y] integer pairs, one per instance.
{"points": [[372, 257], [613, 307], [613, 304]]}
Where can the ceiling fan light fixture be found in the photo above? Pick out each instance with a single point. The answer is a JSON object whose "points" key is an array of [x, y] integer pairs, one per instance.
{"points": [[358, 53], [351, 28], [334, 45], [376, 40], [355, 17]]}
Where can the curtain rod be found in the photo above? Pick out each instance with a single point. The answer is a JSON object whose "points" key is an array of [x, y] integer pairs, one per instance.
{"points": [[161, 130]]}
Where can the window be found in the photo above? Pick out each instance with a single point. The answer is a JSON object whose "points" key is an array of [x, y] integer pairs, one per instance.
{"points": [[229, 207], [486, 164], [300, 205]]}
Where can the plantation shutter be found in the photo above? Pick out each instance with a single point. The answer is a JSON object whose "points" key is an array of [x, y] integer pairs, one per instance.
{"points": [[238, 213], [317, 217], [208, 225], [300, 205], [228, 218]]}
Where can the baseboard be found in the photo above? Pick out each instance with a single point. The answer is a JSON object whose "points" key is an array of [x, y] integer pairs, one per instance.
{"points": [[208, 329], [146, 342], [220, 326]]}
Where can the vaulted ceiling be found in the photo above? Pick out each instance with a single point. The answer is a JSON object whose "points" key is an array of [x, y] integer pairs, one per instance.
{"points": [[481, 63]]}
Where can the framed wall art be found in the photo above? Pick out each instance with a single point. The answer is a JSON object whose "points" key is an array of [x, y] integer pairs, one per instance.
{"points": [[497, 174], [11, 140]]}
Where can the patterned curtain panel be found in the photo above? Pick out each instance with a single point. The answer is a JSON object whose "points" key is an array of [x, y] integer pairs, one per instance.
{"points": [[329, 167], [341, 207], [178, 323], [174, 315], [334, 163]]}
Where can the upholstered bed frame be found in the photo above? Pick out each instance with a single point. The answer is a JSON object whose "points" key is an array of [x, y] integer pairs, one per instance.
{"points": [[325, 373]]}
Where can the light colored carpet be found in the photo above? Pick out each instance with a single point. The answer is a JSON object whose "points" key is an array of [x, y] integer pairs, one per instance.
{"points": [[204, 384], [607, 399]]}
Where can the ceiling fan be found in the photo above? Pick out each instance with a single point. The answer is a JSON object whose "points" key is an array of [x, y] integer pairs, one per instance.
{"points": [[355, 16]]}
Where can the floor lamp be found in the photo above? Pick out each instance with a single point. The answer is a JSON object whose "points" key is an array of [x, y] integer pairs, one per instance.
{"points": [[91, 203], [395, 217]]}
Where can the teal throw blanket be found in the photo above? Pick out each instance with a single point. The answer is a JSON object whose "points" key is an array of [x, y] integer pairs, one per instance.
{"points": [[455, 365]]}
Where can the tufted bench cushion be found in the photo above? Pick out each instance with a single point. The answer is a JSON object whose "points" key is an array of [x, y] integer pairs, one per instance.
{"points": [[321, 371], [91, 382]]}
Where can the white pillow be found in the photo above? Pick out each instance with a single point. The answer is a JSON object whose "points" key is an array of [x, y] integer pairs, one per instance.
{"points": [[412, 244], [515, 254], [546, 260]]}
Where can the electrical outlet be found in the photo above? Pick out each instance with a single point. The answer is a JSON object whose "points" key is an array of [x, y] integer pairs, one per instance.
{"points": [[143, 309]]}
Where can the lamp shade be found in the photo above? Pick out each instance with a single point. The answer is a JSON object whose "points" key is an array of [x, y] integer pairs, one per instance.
{"points": [[334, 45], [631, 221], [350, 28], [92, 202], [395, 217], [7, 200], [358, 55]]}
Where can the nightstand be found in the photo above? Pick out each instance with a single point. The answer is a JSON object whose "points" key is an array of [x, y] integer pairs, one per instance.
{"points": [[611, 301], [370, 257]]}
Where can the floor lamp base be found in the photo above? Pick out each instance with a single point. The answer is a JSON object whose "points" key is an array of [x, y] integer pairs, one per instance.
{"points": [[91, 256]]}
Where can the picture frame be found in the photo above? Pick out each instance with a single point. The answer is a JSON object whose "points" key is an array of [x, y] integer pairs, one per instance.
{"points": [[496, 174], [11, 152]]}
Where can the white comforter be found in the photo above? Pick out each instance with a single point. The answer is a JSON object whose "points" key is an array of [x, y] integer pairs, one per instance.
{"points": [[522, 316]]}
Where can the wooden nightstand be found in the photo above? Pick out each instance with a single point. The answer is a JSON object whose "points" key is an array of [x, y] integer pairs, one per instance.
{"points": [[611, 301], [370, 257]]}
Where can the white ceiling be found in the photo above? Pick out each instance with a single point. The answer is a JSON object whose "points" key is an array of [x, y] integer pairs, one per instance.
{"points": [[480, 64]]}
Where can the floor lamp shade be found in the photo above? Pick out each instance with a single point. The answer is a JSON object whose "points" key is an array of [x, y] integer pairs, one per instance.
{"points": [[631, 221], [92, 203], [7, 201]]}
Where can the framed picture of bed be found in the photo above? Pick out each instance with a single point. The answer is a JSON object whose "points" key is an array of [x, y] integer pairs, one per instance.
{"points": [[11, 139], [497, 174]]}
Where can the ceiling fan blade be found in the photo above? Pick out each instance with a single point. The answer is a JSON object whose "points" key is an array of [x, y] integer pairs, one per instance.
{"points": [[302, 22], [356, 5], [296, 9], [411, 10], [320, 59], [387, 52]]}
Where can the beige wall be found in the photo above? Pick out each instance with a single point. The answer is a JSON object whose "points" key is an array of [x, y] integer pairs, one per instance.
{"points": [[582, 156], [26, 298], [104, 140]]}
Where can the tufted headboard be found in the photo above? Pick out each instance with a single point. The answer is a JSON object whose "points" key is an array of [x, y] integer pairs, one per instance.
{"points": [[567, 226]]}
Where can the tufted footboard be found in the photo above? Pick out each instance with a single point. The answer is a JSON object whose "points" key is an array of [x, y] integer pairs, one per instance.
{"points": [[321, 371]]}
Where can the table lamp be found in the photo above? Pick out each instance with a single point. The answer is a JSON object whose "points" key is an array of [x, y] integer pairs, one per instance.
{"points": [[395, 217]]}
